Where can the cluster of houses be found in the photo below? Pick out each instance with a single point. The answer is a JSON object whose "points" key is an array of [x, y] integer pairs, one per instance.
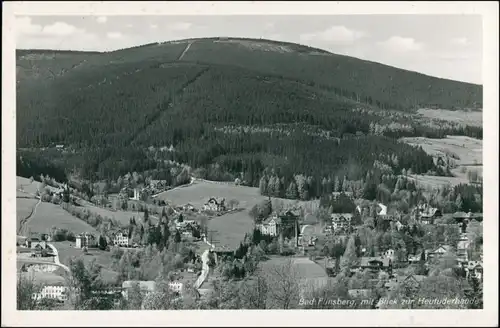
{"points": [[177, 286], [138, 193], [215, 205], [271, 226]]}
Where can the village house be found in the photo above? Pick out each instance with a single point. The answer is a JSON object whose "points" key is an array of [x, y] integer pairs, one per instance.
{"points": [[35, 242], [376, 264], [215, 205], [474, 269], [462, 248], [399, 225], [85, 240], [427, 214], [341, 221], [270, 226], [438, 252], [389, 254], [337, 194], [52, 286], [121, 239], [188, 207], [146, 287], [414, 259]]}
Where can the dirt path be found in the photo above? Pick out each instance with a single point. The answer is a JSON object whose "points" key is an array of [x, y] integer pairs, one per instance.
{"points": [[23, 223], [185, 50]]}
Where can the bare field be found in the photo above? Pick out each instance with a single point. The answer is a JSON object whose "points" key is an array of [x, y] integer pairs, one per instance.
{"points": [[49, 215], [469, 118]]}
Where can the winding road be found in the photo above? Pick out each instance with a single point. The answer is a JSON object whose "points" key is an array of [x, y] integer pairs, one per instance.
{"points": [[204, 270]]}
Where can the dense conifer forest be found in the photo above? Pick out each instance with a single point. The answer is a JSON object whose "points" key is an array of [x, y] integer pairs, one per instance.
{"points": [[230, 110]]}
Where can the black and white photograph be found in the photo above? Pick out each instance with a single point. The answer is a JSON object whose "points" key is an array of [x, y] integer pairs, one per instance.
{"points": [[191, 159]]}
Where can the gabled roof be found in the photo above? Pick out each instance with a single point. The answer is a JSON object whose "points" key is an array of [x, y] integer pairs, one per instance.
{"points": [[340, 215], [365, 261]]}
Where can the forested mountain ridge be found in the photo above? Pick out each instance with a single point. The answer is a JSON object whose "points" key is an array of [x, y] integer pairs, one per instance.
{"points": [[110, 107]]}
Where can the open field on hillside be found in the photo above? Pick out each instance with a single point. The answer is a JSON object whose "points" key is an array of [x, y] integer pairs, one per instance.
{"points": [[26, 185], [469, 118], [468, 150], [49, 215], [467, 153], [430, 181]]}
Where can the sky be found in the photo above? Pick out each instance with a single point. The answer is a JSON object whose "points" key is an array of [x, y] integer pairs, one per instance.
{"points": [[446, 46]]}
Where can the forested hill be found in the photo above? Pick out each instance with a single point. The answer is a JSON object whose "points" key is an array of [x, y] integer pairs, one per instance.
{"points": [[219, 101]]}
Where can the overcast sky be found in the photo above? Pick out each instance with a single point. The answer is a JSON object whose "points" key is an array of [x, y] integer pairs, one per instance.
{"points": [[448, 46]]}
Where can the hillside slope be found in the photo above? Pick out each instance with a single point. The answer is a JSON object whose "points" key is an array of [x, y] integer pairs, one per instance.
{"points": [[239, 104]]}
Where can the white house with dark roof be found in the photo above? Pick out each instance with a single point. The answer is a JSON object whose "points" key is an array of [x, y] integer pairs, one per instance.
{"points": [[215, 205], [270, 226], [53, 286], [121, 239], [341, 221]]}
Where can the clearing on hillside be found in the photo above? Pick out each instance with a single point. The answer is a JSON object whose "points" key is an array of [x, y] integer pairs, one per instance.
{"points": [[465, 151], [473, 118]]}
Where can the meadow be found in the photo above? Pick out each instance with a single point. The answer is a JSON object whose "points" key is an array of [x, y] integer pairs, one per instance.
{"points": [[473, 118], [465, 151]]}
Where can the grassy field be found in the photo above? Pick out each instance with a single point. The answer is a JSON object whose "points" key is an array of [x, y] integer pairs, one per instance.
{"points": [[49, 215], [469, 118], [466, 152], [26, 185]]}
